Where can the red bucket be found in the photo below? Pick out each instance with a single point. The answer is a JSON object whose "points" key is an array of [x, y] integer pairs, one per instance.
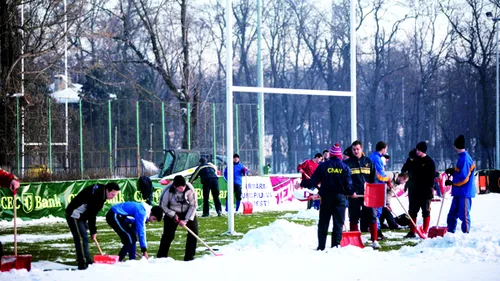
{"points": [[375, 195]]}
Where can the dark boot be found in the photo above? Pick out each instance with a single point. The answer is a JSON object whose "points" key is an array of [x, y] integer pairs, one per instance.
{"points": [[381, 235], [353, 226], [427, 222], [411, 234]]}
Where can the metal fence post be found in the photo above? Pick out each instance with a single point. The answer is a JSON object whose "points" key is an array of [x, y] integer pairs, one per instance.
{"points": [[214, 158], [110, 137], [189, 124], [138, 140], [50, 136], [81, 138]]}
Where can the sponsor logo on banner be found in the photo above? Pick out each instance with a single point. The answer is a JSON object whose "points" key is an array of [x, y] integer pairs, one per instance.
{"points": [[28, 202], [283, 189]]}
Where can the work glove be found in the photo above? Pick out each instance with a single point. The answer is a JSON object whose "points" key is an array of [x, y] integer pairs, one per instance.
{"points": [[448, 183], [450, 171]]}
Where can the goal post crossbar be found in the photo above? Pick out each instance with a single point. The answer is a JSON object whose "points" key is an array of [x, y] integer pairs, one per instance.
{"points": [[285, 91]]}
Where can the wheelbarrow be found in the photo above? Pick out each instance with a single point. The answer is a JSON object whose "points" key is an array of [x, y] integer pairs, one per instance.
{"points": [[16, 261]]}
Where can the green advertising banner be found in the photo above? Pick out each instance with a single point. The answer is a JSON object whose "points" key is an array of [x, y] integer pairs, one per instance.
{"points": [[42, 199]]}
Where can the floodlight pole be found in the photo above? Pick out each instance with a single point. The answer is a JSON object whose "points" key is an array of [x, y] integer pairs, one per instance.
{"points": [[497, 103]]}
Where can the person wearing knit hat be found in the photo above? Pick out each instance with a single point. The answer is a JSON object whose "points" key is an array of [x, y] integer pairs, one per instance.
{"points": [[460, 142], [336, 151], [463, 188], [335, 178], [421, 193]]}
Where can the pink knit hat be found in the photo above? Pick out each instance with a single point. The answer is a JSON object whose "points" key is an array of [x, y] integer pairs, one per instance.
{"points": [[336, 151]]}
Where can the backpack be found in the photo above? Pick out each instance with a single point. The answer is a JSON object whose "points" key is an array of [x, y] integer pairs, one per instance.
{"points": [[146, 188]]}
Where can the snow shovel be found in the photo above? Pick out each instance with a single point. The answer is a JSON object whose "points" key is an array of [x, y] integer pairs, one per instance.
{"points": [[104, 259], [16, 261], [351, 238], [203, 242], [438, 230], [418, 230], [247, 206]]}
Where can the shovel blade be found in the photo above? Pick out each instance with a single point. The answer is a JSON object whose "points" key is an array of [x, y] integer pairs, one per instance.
{"points": [[106, 259], [352, 238], [436, 231], [420, 232], [16, 262], [247, 208]]}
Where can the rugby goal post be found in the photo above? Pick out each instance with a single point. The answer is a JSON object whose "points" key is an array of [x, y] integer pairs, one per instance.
{"points": [[230, 89]]}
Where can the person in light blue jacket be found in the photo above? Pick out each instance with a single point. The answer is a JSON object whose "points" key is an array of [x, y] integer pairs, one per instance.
{"points": [[463, 188], [128, 219], [239, 170]]}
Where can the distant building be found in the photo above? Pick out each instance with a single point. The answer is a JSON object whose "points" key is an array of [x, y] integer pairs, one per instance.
{"points": [[60, 93]]}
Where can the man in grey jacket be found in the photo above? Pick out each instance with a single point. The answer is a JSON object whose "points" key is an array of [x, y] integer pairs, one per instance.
{"points": [[179, 203]]}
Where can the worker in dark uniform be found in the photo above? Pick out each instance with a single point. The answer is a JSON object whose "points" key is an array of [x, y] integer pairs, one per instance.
{"points": [[335, 178]]}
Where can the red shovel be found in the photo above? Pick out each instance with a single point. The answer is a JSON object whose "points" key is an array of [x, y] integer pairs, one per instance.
{"points": [[438, 230], [15, 262], [102, 258]]}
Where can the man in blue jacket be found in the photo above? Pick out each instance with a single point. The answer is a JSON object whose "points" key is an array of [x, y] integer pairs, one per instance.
{"points": [[239, 170], [463, 189], [129, 218], [335, 178]]}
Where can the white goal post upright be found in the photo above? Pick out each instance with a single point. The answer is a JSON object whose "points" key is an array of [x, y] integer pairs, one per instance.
{"points": [[230, 89]]}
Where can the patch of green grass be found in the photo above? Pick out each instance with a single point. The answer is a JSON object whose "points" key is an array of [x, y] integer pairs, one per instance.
{"points": [[211, 229]]}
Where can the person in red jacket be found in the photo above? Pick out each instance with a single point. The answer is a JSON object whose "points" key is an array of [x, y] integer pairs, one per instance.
{"points": [[8, 180], [307, 169]]}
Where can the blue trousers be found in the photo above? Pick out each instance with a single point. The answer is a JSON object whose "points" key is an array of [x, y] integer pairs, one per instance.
{"points": [[460, 209]]}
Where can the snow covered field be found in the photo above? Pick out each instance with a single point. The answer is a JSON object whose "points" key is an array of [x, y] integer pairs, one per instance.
{"points": [[285, 251]]}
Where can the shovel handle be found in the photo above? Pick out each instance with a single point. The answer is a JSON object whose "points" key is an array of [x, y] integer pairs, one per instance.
{"points": [[404, 209], [199, 239], [15, 222], [98, 246]]}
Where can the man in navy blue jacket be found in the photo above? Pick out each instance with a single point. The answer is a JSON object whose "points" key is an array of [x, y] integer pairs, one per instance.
{"points": [[335, 178], [129, 218], [208, 175], [463, 189]]}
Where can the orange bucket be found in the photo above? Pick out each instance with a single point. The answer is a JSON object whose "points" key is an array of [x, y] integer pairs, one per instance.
{"points": [[482, 183], [375, 195]]}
